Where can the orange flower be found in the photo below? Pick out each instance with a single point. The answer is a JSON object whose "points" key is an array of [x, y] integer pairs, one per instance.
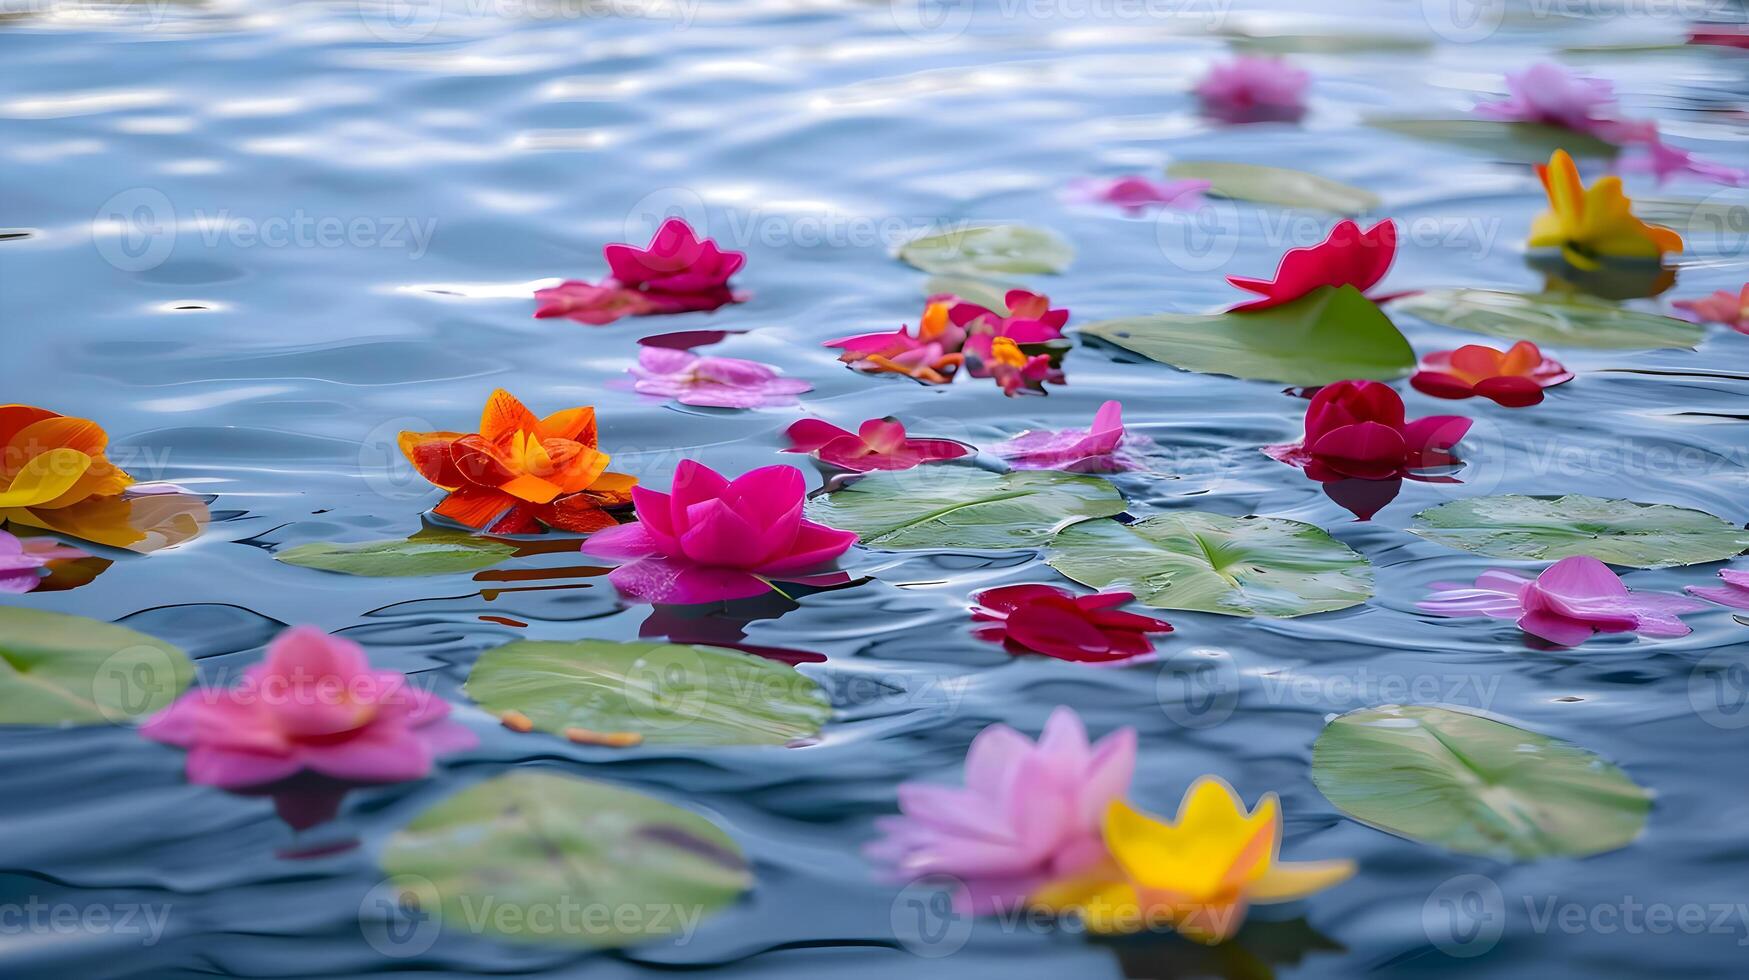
{"points": [[542, 471], [54, 475]]}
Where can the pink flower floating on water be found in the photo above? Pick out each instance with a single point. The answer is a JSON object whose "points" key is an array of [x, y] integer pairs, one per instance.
{"points": [[1664, 161], [1058, 623], [1253, 89], [1028, 813], [1553, 96], [1346, 257], [1357, 429], [712, 382], [24, 561], [316, 704], [1570, 601], [878, 444], [1734, 593], [1095, 449], [1514, 378], [678, 272], [1723, 306], [710, 539], [954, 332], [1136, 193]]}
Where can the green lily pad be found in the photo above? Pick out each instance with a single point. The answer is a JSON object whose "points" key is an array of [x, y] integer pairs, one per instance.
{"points": [[1517, 142], [968, 508], [1338, 44], [554, 860], [1330, 334], [1555, 320], [1620, 532], [1276, 185], [1474, 785], [423, 554], [1235, 566], [666, 692], [69, 670], [990, 250]]}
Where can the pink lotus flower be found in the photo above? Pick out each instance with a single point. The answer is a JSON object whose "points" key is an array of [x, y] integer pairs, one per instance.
{"points": [[1734, 593], [678, 272], [1253, 89], [1028, 813], [709, 539], [1357, 429], [1058, 623], [712, 382], [1514, 378], [1570, 601], [1136, 193], [24, 561], [1553, 96], [313, 704], [878, 444], [1095, 449], [1664, 161], [1346, 257], [1722, 306]]}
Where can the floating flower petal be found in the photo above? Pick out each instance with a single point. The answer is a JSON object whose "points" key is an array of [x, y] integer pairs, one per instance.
{"points": [[1058, 623], [678, 272], [1723, 306], [1346, 257], [24, 561], [1514, 378], [1095, 449], [1357, 429], [1253, 89], [878, 444], [1553, 96], [1570, 601], [1136, 193], [1590, 224], [712, 382], [1734, 593]]}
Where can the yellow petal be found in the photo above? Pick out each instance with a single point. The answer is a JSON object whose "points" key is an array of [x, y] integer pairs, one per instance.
{"points": [[45, 477], [1103, 901], [1286, 881], [1199, 856]]}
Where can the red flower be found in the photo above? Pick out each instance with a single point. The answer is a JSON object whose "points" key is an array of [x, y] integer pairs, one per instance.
{"points": [[1060, 624], [878, 444], [1348, 257], [1514, 379], [1356, 429]]}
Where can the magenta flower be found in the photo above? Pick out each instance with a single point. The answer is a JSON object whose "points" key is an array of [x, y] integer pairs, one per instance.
{"points": [[1346, 257], [1095, 449], [1664, 161], [1550, 94], [676, 262], [709, 539], [712, 382], [24, 561], [1357, 429], [593, 304], [1254, 89], [1565, 605], [1734, 593], [1722, 306], [314, 703], [878, 444], [1058, 623], [1028, 812], [1136, 193]]}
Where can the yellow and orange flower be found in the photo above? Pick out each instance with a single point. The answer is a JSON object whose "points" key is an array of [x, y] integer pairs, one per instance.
{"points": [[1589, 224], [1197, 874], [521, 470], [54, 475]]}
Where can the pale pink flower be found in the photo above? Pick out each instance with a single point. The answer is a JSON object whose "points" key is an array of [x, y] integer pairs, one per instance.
{"points": [[712, 382], [1254, 89], [1664, 161], [1550, 94], [1570, 601], [24, 561], [1734, 593], [1095, 449], [1135, 192], [1722, 306]]}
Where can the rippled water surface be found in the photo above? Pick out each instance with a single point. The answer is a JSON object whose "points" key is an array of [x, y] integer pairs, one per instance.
{"points": [[232, 346]]}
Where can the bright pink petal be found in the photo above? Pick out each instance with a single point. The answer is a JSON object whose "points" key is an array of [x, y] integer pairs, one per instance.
{"points": [[814, 544], [680, 582], [1367, 450], [808, 435], [625, 542]]}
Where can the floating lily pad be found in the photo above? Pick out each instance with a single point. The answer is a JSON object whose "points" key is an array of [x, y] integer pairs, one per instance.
{"points": [[1235, 566], [422, 554], [1276, 185], [554, 860], [665, 692], [69, 670], [968, 509], [1339, 44], [1555, 320], [990, 250], [1331, 334], [1620, 532], [1518, 142], [988, 293], [1474, 785]]}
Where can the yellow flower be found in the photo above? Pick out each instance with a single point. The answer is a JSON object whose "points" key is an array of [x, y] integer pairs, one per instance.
{"points": [[1197, 874], [1590, 223]]}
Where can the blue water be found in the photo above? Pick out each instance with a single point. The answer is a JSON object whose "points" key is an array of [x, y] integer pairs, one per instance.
{"points": [[467, 155]]}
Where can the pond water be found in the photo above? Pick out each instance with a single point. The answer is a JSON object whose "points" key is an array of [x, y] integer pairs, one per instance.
{"points": [[346, 207]]}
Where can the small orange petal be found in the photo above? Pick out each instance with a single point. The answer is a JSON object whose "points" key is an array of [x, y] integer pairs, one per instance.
{"points": [[503, 415], [474, 506]]}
